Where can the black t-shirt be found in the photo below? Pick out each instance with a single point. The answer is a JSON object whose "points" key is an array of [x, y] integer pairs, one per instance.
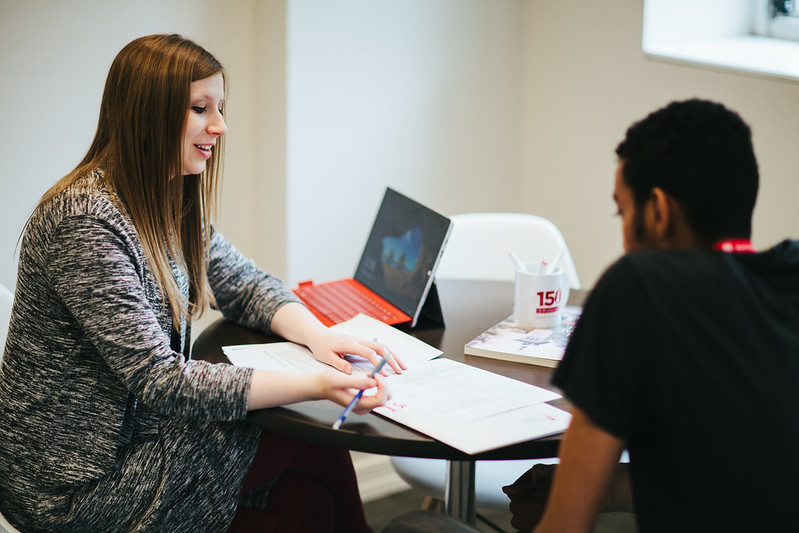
{"points": [[692, 358]]}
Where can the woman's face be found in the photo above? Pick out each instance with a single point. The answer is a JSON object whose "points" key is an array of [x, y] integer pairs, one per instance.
{"points": [[205, 123]]}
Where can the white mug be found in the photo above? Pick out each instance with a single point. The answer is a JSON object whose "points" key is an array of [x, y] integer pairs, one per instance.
{"points": [[539, 298]]}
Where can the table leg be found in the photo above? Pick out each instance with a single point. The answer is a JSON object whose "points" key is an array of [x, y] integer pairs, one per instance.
{"points": [[459, 492]]}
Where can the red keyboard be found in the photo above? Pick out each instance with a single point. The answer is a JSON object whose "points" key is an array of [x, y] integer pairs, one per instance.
{"points": [[337, 301]]}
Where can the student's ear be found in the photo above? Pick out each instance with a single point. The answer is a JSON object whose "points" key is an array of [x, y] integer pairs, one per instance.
{"points": [[662, 214], [666, 221]]}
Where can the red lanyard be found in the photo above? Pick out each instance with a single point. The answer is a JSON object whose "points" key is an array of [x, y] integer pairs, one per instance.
{"points": [[741, 246]]}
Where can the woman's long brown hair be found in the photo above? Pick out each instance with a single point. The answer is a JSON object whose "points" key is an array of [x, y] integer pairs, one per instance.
{"points": [[138, 147]]}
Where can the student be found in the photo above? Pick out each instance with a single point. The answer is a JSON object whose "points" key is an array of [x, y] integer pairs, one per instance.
{"points": [[687, 352], [105, 424]]}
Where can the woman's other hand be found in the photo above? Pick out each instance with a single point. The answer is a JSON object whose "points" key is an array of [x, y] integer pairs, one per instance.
{"points": [[341, 388]]}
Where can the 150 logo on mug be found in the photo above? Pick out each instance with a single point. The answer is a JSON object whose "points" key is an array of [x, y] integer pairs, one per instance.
{"points": [[548, 301]]}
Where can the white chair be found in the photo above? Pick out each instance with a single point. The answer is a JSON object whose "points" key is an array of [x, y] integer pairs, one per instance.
{"points": [[5, 527], [477, 249], [478, 244], [6, 300]]}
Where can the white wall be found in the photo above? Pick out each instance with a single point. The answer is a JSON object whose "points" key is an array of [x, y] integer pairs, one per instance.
{"points": [[421, 96], [463, 104], [586, 79], [55, 55]]}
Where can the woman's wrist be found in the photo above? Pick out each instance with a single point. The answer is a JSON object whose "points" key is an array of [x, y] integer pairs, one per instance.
{"points": [[294, 322]]}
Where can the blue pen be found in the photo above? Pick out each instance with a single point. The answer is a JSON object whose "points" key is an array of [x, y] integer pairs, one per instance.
{"points": [[357, 397]]}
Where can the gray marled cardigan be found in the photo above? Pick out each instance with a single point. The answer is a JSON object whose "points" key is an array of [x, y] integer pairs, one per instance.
{"points": [[103, 427]]}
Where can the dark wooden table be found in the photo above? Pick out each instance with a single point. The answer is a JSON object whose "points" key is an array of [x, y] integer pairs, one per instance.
{"points": [[469, 308]]}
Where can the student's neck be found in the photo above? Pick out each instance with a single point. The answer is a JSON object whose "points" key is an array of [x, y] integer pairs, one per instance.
{"points": [[682, 238]]}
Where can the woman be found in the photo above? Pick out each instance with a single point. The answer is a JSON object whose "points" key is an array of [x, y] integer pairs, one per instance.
{"points": [[104, 424]]}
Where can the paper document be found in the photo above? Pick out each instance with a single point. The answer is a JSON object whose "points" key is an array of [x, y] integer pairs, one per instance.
{"points": [[464, 393], [471, 409], [468, 408], [296, 359]]}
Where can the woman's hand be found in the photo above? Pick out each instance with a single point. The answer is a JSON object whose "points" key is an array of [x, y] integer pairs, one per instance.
{"points": [[341, 388], [269, 389], [295, 322], [330, 348]]}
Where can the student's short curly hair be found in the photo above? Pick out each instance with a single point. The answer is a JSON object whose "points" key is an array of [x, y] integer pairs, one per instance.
{"points": [[700, 153]]}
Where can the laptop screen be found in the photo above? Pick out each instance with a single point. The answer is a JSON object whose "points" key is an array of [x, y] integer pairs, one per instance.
{"points": [[402, 251]]}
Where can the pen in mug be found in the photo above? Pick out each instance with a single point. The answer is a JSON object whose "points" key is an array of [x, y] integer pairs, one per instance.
{"points": [[516, 261], [542, 267], [357, 397], [554, 264]]}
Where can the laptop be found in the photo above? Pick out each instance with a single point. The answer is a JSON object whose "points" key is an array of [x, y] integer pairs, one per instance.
{"points": [[394, 279]]}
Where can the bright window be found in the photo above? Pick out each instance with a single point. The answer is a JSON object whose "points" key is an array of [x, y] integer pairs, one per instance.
{"points": [[747, 36], [780, 21]]}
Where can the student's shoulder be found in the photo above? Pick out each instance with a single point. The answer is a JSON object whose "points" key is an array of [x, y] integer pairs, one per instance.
{"points": [[644, 269], [633, 265], [786, 251], [666, 261]]}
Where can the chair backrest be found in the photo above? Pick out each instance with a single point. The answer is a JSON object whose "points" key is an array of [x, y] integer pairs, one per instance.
{"points": [[6, 300], [477, 247]]}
